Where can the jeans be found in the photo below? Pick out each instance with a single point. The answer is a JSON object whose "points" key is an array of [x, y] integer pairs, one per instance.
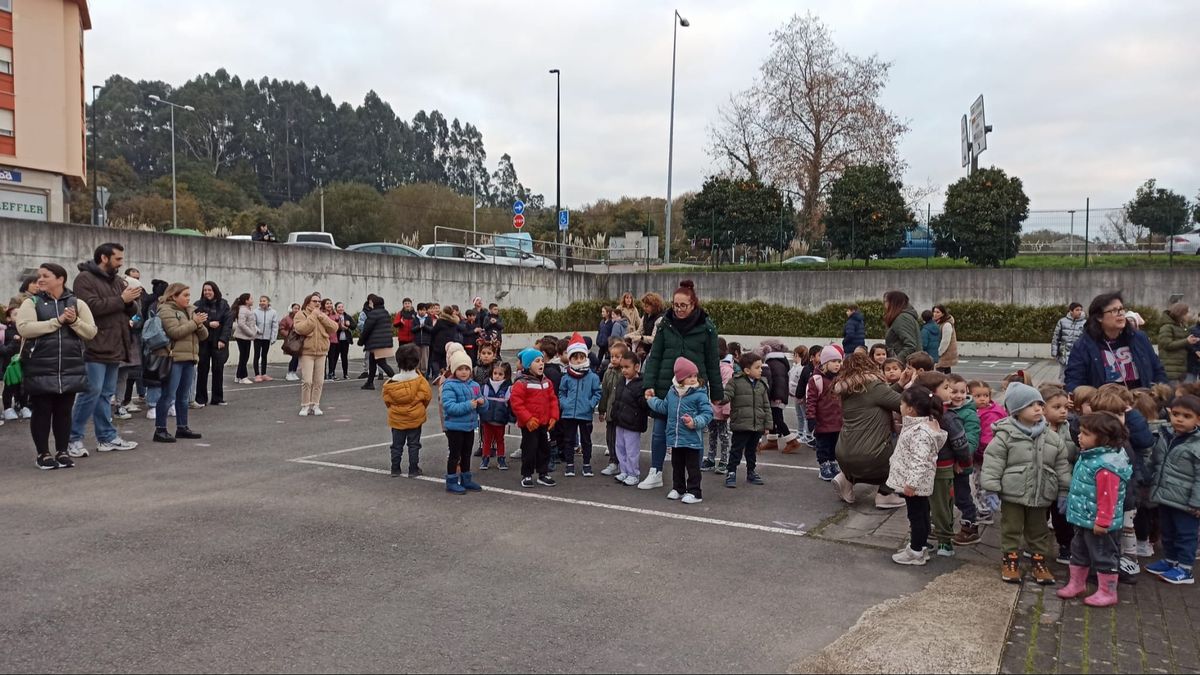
{"points": [[212, 359], [963, 499], [718, 435], [102, 384], [658, 443], [1099, 551], [411, 438], [174, 393], [801, 420], [1178, 530], [339, 350]]}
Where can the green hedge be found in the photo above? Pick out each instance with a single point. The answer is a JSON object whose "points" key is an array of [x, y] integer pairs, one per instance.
{"points": [[516, 320], [975, 321]]}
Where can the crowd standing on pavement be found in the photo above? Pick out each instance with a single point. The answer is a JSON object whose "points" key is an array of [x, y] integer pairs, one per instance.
{"points": [[1093, 472]]}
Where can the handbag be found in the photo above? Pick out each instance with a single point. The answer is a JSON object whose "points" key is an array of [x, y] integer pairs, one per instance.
{"points": [[293, 343], [13, 375]]}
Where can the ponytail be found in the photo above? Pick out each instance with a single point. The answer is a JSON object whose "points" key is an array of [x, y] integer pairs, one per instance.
{"points": [[923, 402]]}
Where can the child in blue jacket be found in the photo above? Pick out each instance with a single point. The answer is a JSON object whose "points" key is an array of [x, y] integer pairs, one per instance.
{"points": [[688, 412], [462, 400], [578, 396]]}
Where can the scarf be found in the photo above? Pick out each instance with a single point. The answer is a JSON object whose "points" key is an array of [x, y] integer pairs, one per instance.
{"points": [[1033, 431], [681, 389]]}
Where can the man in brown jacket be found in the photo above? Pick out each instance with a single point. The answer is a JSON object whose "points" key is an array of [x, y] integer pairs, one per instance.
{"points": [[113, 304]]}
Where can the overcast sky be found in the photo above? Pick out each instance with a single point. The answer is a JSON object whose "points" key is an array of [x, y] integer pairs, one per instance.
{"points": [[1087, 98]]}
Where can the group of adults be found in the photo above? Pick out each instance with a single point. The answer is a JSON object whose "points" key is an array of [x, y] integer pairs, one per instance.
{"points": [[905, 333]]}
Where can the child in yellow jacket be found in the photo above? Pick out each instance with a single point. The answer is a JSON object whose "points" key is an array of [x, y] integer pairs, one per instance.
{"points": [[407, 394]]}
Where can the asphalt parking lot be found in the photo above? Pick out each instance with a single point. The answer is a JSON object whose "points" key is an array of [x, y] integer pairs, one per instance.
{"points": [[279, 543]]}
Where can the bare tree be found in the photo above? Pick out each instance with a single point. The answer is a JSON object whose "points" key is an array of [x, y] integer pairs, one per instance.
{"points": [[813, 111], [1118, 229]]}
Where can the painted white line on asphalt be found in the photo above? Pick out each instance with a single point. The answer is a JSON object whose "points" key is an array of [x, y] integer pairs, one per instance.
{"points": [[579, 502], [259, 387], [356, 449], [770, 464]]}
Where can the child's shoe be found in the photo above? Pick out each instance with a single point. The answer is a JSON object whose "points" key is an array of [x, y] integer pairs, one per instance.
{"points": [[1077, 585], [1106, 593], [587, 471], [1161, 567], [984, 517], [1042, 574], [501, 464], [621, 477], [833, 465], [546, 480], [484, 463], [468, 482], [611, 470], [632, 479], [708, 464], [1145, 549], [415, 471], [527, 482], [673, 495], [731, 479], [753, 478], [569, 471], [1064, 555], [946, 550], [453, 486], [690, 498], [769, 443], [1177, 575], [826, 472], [967, 536], [907, 556], [722, 467], [653, 480], [1010, 569]]}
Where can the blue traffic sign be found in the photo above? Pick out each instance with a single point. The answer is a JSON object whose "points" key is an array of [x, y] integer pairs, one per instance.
{"points": [[518, 207], [564, 219]]}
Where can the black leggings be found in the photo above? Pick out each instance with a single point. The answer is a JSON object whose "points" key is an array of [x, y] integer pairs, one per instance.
{"points": [[381, 364], [14, 397], [461, 443], [918, 522], [339, 350], [261, 348], [51, 411], [243, 359]]}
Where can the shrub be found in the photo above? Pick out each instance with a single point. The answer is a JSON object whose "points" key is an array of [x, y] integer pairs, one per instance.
{"points": [[516, 320]]}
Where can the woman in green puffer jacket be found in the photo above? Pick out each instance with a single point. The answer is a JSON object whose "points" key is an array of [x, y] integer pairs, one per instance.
{"points": [[903, 336], [1174, 342]]}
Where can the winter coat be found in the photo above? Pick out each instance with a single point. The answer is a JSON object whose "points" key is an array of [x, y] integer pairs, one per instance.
{"points": [[102, 293], [186, 335], [1096, 499], [492, 325], [287, 324], [404, 326], [1086, 363], [554, 371], [52, 355], [407, 396], [854, 333], [749, 402], [498, 410], [457, 404], [376, 330], [776, 366], [822, 405], [244, 326], [1066, 333], [10, 346], [217, 310], [1175, 471], [608, 389], [694, 338], [956, 450], [903, 336], [913, 461], [603, 333], [481, 373], [267, 324], [865, 444], [969, 417], [695, 403], [1173, 348], [315, 327], [948, 347], [1032, 472], [721, 410], [988, 417], [342, 334], [534, 398], [578, 395], [1193, 361], [619, 330], [931, 337], [629, 408], [444, 332], [794, 375], [633, 319], [422, 330]]}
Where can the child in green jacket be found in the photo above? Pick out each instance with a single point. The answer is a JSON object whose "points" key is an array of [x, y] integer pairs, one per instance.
{"points": [[963, 407], [1175, 488]]}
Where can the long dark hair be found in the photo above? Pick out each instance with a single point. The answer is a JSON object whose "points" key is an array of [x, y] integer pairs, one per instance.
{"points": [[896, 302], [242, 301], [923, 402], [216, 290], [946, 316], [1096, 314]]}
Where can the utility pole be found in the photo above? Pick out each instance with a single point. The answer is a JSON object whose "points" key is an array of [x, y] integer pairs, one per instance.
{"points": [[562, 234], [676, 22], [321, 193], [95, 162]]}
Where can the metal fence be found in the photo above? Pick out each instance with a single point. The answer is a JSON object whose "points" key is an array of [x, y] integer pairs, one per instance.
{"points": [[516, 249]]}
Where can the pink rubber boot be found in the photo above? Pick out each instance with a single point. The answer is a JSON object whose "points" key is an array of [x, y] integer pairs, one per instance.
{"points": [[1077, 586], [1106, 594]]}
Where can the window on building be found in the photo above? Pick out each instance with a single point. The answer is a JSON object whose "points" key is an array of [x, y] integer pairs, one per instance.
{"points": [[6, 5], [6, 122], [6, 59]]}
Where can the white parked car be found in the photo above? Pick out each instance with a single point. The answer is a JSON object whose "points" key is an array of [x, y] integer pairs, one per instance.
{"points": [[386, 248], [460, 252], [317, 239], [1187, 243], [805, 260], [515, 256]]}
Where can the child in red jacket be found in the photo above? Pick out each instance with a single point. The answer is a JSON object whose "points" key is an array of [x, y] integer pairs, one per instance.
{"points": [[535, 404], [823, 408]]}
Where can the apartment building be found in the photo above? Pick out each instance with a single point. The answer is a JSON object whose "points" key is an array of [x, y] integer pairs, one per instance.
{"points": [[43, 136]]}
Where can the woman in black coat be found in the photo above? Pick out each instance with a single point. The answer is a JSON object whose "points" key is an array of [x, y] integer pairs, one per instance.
{"points": [[444, 332], [376, 339], [214, 350]]}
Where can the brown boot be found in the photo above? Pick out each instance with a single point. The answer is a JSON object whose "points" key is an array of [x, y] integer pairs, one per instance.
{"points": [[967, 536], [1010, 569], [769, 444], [792, 447], [1041, 573]]}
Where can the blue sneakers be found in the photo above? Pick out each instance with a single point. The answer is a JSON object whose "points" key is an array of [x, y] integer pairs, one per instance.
{"points": [[1160, 568], [1178, 575], [485, 463], [827, 472]]}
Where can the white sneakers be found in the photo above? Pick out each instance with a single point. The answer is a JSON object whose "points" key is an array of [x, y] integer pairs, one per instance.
{"points": [[10, 414], [76, 449], [673, 494], [610, 470], [244, 380], [292, 377], [653, 480], [631, 480], [844, 488], [620, 477], [316, 410], [690, 498], [26, 413], [1145, 549], [117, 443], [907, 556], [892, 501], [304, 411], [151, 413]]}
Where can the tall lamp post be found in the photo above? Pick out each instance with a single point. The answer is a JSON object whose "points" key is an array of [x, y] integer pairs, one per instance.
{"points": [[95, 157], [562, 235], [172, 106], [676, 22]]}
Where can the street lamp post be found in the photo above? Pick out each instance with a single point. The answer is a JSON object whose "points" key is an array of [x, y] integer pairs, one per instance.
{"points": [[95, 158], [562, 247], [174, 201], [676, 22]]}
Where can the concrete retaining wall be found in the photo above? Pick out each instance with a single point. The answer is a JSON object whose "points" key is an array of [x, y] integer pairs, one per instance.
{"points": [[813, 289], [286, 273]]}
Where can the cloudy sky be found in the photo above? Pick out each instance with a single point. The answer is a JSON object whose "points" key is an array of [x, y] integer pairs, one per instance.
{"points": [[1087, 98]]}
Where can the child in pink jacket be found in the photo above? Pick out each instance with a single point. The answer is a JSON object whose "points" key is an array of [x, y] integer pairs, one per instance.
{"points": [[989, 412], [718, 428]]}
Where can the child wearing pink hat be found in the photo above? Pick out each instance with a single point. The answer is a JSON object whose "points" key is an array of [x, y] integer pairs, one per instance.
{"points": [[688, 412], [824, 410]]}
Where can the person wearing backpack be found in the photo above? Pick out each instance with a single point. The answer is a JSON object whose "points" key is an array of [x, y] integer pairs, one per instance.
{"points": [[186, 329]]}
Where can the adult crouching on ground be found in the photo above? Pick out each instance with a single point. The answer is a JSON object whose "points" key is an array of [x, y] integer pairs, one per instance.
{"points": [[186, 328], [903, 337], [864, 448], [1111, 350], [948, 339], [54, 325], [1175, 343], [376, 339], [684, 331], [316, 327]]}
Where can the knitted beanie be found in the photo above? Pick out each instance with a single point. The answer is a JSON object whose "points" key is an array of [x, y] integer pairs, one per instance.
{"points": [[528, 355], [832, 353], [456, 356], [684, 369], [1020, 396]]}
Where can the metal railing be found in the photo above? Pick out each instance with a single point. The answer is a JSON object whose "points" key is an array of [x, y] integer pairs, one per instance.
{"points": [[515, 249]]}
